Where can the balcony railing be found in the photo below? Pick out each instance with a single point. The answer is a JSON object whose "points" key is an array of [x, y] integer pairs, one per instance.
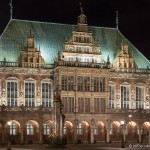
{"points": [[4, 108], [128, 111]]}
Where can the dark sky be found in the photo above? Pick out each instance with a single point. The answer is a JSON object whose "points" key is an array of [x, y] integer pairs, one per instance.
{"points": [[134, 15]]}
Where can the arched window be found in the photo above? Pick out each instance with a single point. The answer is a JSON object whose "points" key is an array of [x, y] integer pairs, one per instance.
{"points": [[139, 95], [12, 91], [30, 92], [79, 129], [46, 93], [30, 129], [46, 129], [125, 88]]}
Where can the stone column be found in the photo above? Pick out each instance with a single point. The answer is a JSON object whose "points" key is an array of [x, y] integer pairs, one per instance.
{"points": [[41, 135], [75, 134], [107, 135], [92, 135], [22, 134], [140, 135]]}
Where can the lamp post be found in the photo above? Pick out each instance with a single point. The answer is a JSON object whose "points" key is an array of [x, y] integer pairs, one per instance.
{"points": [[9, 142], [122, 125]]}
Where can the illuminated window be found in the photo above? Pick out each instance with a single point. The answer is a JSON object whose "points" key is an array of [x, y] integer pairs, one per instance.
{"points": [[64, 129], [139, 96], [125, 96], [46, 129], [111, 96], [79, 129], [30, 129], [29, 94], [12, 90], [95, 130], [13, 129], [46, 94]]}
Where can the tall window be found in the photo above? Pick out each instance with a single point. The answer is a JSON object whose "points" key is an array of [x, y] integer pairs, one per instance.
{"points": [[70, 83], [87, 84], [29, 94], [95, 130], [102, 84], [46, 94], [111, 96], [125, 96], [80, 83], [64, 83], [81, 105], [64, 129], [30, 129], [79, 129], [13, 129], [96, 105], [87, 105], [12, 93], [96, 84], [68, 104], [139, 96], [46, 129]]}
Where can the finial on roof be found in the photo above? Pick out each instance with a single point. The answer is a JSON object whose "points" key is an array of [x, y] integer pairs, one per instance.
{"points": [[117, 19], [11, 9], [81, 8], [30, 32]]}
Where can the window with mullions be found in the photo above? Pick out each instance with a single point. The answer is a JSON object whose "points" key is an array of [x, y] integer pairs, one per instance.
{"points": [[86, 84], [79, 129], [68, 104], [139, 96], [70, 83], [124, 96], [13, 129], [29, 94], [80, 83], [81, 105], [111, 96], [46, 129], [46, 94], [96, 84], [12, 93], [102, 84], [30, 129], [95, 130], [64, 83]]}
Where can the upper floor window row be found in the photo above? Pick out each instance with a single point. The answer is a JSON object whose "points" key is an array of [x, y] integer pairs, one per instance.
{"points": [[82, 39]]}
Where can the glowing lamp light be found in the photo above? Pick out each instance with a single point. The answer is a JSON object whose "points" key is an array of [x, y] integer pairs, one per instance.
{"points": [[122, 122], [9, 123]]}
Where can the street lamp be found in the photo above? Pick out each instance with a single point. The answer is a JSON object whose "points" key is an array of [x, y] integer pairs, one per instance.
{"points": [[122, 125], [9, 142]]}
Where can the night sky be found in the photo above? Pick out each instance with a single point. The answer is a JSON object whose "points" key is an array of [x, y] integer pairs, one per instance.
{"points": [[134, 15]]}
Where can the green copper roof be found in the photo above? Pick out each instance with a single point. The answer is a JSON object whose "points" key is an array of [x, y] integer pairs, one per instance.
{"points": [[50, 37]]}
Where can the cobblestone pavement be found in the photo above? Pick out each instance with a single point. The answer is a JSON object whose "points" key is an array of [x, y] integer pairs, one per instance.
{"points": [[102, 146]]}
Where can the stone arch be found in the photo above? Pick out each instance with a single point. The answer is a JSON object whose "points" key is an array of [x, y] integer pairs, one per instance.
{"points": [[115, 131], [101, 131], [131, 130], [31, 132], [145, 131], [68, 131], [48, 130]]}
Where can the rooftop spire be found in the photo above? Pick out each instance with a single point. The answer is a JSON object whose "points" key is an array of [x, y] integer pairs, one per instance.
{"points": [[117, 19], [81, 8], [11, 9]]}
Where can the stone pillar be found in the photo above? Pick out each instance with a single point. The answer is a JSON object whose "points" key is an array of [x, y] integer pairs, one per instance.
{"points": [[108, 136], [92, 135], [75, 134], [22, 135], [140, 135], [41, 135]]}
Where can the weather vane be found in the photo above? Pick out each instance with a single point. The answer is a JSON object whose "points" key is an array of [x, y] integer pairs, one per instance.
{"points": [[117, 19], [11, 9]]}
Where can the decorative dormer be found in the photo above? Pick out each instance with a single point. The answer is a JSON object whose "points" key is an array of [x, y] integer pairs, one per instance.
{"points": [[124, 61], [30, 57], [81, 49]]}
